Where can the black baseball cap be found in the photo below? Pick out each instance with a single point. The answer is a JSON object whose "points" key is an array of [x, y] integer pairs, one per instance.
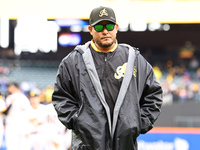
{"points": [[102, 13]]}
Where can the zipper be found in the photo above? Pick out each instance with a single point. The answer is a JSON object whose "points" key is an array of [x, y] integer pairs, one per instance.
{"points": [[105, 54], [104, 71]]}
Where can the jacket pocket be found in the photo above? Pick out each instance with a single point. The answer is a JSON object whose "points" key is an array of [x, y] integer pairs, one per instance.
{"points": [[76, 116]]}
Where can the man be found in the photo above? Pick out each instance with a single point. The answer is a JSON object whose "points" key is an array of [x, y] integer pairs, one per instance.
{"points": [[17, 114], [106, 92]]}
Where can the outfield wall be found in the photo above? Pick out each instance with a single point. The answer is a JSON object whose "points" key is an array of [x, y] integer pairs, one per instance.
{"points": [[180, 114], [170, 138], [177, 128]]}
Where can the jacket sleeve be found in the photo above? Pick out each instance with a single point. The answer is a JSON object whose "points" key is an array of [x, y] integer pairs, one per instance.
{"points": [[151, 100], [63, 98]]}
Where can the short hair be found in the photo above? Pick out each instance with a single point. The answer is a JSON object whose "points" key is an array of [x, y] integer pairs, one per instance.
{"points": [[14, 83]]}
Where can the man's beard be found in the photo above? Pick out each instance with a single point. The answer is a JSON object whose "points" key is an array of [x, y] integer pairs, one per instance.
{"points": [[104, 45]]}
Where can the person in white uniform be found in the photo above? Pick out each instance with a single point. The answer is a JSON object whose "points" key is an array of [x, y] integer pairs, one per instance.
{"points": [[2, 109], [38, 122], [16, 120], [58, 137]]}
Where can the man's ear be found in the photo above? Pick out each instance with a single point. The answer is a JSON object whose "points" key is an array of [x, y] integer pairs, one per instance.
{"points": [[117, 27], [90, 29]]}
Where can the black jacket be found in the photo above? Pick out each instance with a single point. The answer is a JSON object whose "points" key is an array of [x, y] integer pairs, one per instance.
{"points": [[81, 106]]}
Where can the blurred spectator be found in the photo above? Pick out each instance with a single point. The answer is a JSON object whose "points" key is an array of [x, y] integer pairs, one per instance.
{"points": [[195, 90], [187, 51], [182, 93], [46, 131], [157, 72], [170, 78], [25, 87], [37, 118], [186, 77], [174, 92], [3, 83], [18, 109], [2, 109], [4, 70], [198, 73], [167, 95], [48, 93], [58, 137], [194, 63]]}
